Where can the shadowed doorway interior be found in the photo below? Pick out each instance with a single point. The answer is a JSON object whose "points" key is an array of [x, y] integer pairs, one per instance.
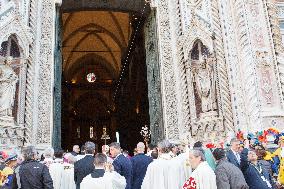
{"points": [[94, 47]]}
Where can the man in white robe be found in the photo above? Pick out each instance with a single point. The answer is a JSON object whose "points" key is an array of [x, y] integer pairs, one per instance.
{"points": [[203, 177], [159, 173], [56, 171], [103, 177], [180, 170]]}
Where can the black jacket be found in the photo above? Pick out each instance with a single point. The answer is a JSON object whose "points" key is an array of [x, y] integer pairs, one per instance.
{"points": [[123, 166], [83, 167], [33, 175]]}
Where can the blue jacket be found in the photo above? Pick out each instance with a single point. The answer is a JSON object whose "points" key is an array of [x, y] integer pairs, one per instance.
{"points": [[140, 163], [123, 166], [252, 175], [232, 158]]}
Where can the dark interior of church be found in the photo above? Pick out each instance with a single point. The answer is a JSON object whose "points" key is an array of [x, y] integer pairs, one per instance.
{"points": [[103, 74]]}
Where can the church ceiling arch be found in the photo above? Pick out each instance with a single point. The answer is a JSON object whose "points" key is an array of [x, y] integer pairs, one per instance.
{"points": [[107, 38], [91, 26], [90, 60], [109, 50]]}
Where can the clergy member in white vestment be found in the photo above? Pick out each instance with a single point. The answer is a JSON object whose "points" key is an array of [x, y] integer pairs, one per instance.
{"points": [[56, 170], [103, 177], [68, 175], [158, 172], [203, 177], [180, 170]]}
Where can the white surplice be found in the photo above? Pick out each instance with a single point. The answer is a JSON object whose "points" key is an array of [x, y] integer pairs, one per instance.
{"points": [[203, 177], [157, 174], [110, 180], [56, 171], [179, 171], [68, 177], [167, 172]]}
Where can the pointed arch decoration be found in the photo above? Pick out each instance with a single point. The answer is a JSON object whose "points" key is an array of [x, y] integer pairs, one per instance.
{"points": [[22, 33]]}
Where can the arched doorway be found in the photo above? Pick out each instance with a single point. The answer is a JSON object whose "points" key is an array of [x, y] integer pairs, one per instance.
{"points": [[101, 66]]}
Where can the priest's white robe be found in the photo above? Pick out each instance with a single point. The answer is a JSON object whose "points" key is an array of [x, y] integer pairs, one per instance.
{"points": [[203, 177], [110, 180], [68, 177], [56, 171], [157, 174], [180, 171]]}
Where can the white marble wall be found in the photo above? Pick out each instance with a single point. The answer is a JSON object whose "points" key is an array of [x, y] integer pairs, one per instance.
{"points": [[250, 95]]}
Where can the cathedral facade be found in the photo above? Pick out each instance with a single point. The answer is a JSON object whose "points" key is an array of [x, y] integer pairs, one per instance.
{"points": [[213, 66]]}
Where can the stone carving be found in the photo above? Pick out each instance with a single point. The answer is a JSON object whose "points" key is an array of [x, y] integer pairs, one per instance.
{"points": [[8, 80], [205, 84], [168, 81], [233, 40], [262, 58], [263, 63]]}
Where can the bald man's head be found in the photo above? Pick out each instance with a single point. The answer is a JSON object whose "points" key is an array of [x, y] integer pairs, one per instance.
{"points": [[140, 147], [76, 149]]}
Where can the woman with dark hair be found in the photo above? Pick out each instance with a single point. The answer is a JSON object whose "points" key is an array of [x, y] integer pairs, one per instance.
{"points": [[262, 158]]}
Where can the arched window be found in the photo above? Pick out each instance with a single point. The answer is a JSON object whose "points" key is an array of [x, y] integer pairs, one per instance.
{"points": [[10, 48]]}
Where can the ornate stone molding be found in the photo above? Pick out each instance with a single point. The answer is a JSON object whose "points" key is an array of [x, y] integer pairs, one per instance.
{"points": [[197, 32], [223, 91], [169, 96], [22, 32], [45, 73]]}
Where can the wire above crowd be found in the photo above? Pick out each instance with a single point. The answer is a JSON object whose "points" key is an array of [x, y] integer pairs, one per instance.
{"points": [[247, 162]]}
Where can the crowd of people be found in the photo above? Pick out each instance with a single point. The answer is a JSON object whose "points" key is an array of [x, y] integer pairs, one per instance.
{"points": [[243, 164]]}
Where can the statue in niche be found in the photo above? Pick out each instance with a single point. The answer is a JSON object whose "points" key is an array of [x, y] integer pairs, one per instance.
{"points": [[205, 84], [8, 81]]}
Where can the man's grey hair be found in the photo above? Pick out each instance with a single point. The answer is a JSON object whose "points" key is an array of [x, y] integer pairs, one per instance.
{"points": [[48, 152], [234, 140], [100, 159], [29, 152], [115, 145], [164, 146], [198, 152], [90, 147]]}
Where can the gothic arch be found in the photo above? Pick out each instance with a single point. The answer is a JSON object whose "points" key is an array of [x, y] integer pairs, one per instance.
{"points": [[22, 33], [194, 34]]}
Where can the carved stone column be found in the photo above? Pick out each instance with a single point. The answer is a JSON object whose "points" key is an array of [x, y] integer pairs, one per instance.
{"points": [[168, 79], [44, 73]]}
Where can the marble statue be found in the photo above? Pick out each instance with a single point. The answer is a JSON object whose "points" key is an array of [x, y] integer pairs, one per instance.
{"points": [[8, 80], [204, 78]]}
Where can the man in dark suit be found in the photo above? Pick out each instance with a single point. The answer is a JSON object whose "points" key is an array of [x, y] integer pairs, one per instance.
{"points": [[84, 166], [140, 163], [121, 164], [233, 155]]}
